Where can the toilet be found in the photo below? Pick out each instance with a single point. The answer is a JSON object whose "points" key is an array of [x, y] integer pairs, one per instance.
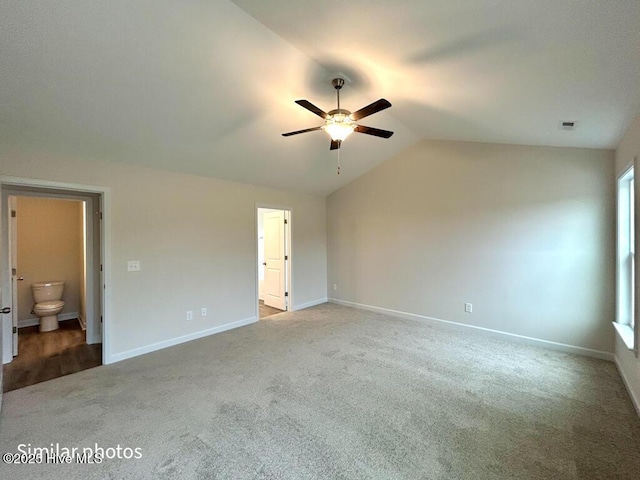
{"points": [[48, 299]]}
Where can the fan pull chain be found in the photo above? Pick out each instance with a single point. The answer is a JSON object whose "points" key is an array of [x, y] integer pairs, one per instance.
{"points": [[339, 160]]}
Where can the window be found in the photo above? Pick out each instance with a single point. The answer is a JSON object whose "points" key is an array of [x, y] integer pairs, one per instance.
{"points": [[632, 244], [625, 321]]}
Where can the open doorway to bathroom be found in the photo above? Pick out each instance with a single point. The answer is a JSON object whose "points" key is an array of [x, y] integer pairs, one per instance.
{"points": [[274, 261], [54, 263]]}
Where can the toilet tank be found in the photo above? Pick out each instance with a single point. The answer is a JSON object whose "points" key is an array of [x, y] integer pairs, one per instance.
{"points": [[45, 291]]}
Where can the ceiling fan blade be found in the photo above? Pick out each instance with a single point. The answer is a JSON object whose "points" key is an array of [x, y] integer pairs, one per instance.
{"points": [[312, 108], [335, 144], [376, 132], [301, 131], [375, 107]]}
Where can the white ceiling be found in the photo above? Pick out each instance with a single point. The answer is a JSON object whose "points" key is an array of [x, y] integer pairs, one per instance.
{"points": [[207, 87]]}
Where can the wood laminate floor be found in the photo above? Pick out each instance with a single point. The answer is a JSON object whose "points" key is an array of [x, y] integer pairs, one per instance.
{"points": [[47, 355], [266, 311]]}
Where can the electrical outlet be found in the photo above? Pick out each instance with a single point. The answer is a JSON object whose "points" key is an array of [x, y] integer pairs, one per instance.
{"points": [[190, 315], [468, 307], [203, 312], [335, 287], [133, 266]]}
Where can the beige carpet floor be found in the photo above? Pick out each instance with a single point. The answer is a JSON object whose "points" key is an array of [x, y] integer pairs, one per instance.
{"points": [[336, 393]]}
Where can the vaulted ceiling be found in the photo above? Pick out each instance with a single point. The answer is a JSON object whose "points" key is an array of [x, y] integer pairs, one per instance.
{"points": [[207, 87]]}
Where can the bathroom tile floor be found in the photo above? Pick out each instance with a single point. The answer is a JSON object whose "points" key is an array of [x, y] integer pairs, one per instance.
{"points": [[48, 355]]}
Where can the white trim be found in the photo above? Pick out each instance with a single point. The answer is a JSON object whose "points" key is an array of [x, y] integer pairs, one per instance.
{"points": [[312, 303], [563, 347], [184, 338], [634, 399], [288, 252], [34, 182], [623, 285], [33, 321], [625, 332], [12, 234], [83, 322]]}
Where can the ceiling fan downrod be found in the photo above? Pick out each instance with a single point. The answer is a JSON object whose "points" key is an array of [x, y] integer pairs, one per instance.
{"points": [[338, 83]]}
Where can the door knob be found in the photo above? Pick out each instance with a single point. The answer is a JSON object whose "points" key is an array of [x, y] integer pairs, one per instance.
{"points": [[264, 263], [20, 279], [6, 310]]}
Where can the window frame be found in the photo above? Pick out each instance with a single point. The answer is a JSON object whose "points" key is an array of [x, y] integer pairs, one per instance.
{"points": [[625, 264]]}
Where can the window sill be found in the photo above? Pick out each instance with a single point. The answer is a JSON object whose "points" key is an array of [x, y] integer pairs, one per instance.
{"points": [[626, 334]]}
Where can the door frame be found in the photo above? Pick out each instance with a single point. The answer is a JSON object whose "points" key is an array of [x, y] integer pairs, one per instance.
{"points": [[288, 214], [53, 189], [12, 234]]}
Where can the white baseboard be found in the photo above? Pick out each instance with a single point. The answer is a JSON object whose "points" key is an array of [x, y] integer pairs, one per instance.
{"points": [[313, 303], [634, 398], [83, 322], [563, 347], [33, 321], [175, 341]]}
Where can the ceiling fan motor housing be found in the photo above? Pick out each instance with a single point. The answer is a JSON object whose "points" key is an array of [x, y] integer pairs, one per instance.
{"points": [[338, 83], [339, 111]]}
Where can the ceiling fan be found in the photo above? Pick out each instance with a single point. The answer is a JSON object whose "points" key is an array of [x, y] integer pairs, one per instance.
{"points": [[340, 123]]}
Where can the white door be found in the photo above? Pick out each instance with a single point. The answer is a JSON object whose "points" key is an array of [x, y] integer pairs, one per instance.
{"points": [[13, 265], [274, 259]]}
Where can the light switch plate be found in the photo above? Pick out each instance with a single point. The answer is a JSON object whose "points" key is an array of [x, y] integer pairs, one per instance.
{"points": [[133, 266]]}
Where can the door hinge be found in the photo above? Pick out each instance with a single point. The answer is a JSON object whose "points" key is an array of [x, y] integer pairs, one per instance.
{"points": [[14, 271], [100, 318], [285, 221], [100, 213], [15, 329], [13, 214], [100, 267], [286, 257], [286, 294]]}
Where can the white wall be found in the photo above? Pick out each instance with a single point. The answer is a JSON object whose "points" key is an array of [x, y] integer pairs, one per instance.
{"points": [[626, 360], [196, 240], [526, 234]]}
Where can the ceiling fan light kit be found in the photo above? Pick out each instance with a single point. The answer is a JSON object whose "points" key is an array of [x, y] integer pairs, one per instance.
{"points": [[340, 123], [339, 127]]}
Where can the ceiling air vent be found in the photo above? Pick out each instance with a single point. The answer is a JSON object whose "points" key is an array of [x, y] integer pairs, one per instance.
{"points": [[568, 125]]}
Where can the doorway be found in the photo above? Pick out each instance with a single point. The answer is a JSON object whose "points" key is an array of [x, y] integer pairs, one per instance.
{"points": [[48, 243], [274, 261], [49, 233]]}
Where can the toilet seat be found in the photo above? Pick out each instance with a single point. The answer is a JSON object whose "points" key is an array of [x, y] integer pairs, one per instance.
{"points": [[49, 305]]}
